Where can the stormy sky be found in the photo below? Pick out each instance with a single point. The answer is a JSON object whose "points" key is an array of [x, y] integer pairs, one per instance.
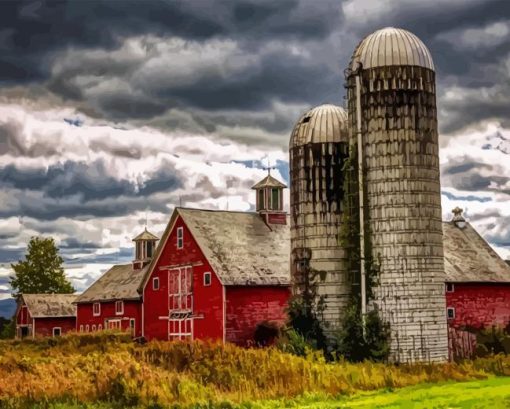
{"points": [[113, 112]]}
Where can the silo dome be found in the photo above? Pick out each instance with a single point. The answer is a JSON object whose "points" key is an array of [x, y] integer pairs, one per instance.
{"points": [[325, 123], [391, 46]]}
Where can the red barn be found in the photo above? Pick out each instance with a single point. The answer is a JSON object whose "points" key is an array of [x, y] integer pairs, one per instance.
{"points": [[215, 275], [218, 274], [45, 315], [478, 280], [113, 301]]}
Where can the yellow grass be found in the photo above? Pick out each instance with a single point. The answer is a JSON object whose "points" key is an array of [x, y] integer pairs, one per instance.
{"points": [[110, 368]]}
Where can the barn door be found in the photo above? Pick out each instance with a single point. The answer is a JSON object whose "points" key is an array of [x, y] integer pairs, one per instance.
{"points": [[180, 304], [180, 288]]}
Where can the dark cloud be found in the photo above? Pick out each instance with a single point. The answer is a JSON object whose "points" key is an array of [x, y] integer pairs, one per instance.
{"points": [[87, 181], [467, 174], [111, 85], [242, 70]]}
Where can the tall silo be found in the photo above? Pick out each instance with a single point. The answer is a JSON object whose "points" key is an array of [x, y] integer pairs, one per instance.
{"points": [[318, 148], [392, 98]]}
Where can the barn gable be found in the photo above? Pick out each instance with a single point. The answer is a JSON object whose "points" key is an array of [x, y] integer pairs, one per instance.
{"points": [[240, 247]]}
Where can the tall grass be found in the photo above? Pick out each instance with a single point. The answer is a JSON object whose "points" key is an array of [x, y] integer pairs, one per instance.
{"points": [[110, 368]]}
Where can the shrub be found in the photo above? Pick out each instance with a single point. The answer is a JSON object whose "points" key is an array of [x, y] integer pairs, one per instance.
{"points": [[266, 333], [355, 345]]}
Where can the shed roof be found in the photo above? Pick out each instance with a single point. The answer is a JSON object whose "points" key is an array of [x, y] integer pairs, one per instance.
{"points": [[324, 123], [469, 258], [50, 305], [120, 282], [389, 47]]}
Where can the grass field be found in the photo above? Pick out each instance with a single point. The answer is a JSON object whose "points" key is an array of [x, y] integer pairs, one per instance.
{"points": [[487, 394], [108, 370], [492, 393]]}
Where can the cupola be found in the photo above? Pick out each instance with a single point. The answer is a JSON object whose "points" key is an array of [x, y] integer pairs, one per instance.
{"points": [[458, 219], [269, 199], [145, 246]]}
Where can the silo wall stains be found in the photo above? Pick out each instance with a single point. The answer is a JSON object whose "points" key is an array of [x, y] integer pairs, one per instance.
{"points": [[316, 212], [403, 205]]}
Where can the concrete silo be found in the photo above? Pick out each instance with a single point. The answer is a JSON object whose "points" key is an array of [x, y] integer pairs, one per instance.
{"points": [[392, 106], [318, 148]]}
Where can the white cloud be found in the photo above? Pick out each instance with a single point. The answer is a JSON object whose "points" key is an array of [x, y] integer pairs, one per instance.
{"points": [[359, 11], [486, 208], [491, 35]]}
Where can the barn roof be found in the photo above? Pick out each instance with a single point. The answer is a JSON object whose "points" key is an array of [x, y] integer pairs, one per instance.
{"points": [[50, 305], [239, 246], [120, 282], [469, 258]]}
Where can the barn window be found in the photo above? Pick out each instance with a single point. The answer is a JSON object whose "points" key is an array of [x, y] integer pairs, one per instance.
{"points": [[150, 248], [99, 327], [180, 234], [155, 283], [180, 289], [119, 307], [450, 311], [81, 328], [260, 200], [275, 199], [86, 328], [96, 309], [132, 326], [207, 279], [94, 328], [57, 331], [450, 288]]}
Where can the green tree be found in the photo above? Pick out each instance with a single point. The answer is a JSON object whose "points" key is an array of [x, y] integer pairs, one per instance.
{"points": [[42, 271], [8, 329]]}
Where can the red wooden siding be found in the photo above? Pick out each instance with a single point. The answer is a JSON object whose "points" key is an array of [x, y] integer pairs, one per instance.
{"points": [[206, 301], [44, 326], [23, 317], [108, 317], [249, 306], [479, 305]]}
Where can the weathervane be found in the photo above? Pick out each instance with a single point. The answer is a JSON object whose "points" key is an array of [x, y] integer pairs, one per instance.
{"points": [[269, 167]]}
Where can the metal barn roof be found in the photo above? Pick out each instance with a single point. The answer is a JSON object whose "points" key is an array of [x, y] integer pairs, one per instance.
{"points": [[50, 305], [241, 248], [325, 123], [391, 46], [120, 282], [469, 258]]}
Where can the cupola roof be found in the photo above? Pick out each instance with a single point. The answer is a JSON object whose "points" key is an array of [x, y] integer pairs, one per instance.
{"points": [[146, 235]]}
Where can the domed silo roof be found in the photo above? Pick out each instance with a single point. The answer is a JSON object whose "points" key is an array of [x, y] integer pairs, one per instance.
{"points": [[325, 123], [391, 46]]}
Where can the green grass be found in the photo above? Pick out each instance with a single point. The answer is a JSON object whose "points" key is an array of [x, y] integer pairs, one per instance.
{"points": [[493, 393]]}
